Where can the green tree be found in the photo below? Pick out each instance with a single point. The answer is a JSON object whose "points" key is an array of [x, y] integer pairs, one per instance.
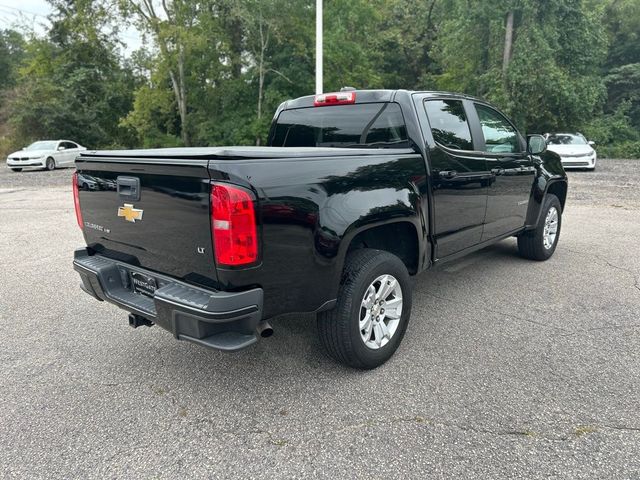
{"points": [[405, 38], [211, 72], [72, 84], [12, 53], [617, 127], [540, 62]]}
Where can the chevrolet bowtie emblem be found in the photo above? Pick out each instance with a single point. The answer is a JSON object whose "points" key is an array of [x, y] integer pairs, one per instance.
{"points": [[129, 213]]}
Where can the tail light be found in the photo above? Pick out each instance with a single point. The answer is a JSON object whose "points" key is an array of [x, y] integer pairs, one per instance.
{"points": [[340, 98], [233, 225], [76, 201]]}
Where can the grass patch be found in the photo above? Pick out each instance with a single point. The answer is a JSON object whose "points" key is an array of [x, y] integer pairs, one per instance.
{"points": [[584, 430]]}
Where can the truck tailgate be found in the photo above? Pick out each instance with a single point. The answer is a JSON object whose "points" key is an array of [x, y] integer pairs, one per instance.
{"points": [[150, 212]]}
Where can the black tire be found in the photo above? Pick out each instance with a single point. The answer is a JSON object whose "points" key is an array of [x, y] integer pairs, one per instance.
{"points": [[51, 164], [16, 169], [531, 243], [339, 328]]}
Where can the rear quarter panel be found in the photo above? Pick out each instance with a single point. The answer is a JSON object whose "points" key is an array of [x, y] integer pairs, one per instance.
{"points": [[310, 209]]}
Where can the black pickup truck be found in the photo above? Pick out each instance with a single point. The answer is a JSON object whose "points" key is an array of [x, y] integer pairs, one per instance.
{"points": [[357, 192]]}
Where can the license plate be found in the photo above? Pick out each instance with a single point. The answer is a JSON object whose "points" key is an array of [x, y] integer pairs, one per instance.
{"points": [[143, 284]]}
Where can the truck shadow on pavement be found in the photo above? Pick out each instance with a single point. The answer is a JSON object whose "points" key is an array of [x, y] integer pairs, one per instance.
{"points": [[295, 348]]}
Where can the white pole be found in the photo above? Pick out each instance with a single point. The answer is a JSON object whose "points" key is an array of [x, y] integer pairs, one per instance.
{"points": [[318, 47]]}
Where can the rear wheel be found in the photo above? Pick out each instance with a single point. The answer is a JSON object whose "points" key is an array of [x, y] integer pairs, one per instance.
{"points": [[541, 242], [371, 316], [16, 169], [51, 164]]}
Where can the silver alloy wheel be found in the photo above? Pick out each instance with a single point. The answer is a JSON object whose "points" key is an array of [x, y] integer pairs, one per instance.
{"points": [[50, 164], [550, 228], [380, 311]]}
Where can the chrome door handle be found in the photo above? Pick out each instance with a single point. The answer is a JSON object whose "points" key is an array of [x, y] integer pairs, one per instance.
{"points": [[448, 174]]}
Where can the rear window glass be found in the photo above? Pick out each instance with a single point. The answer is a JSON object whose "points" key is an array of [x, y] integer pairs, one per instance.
{"points": [[449, 124], [367, 125]]}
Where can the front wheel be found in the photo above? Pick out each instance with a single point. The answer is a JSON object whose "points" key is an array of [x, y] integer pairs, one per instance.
{"points": [[541, 242], [373, 309], [51, 164]]}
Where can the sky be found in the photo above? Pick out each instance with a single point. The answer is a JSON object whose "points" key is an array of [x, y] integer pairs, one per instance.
{"points": [[33, 14]]}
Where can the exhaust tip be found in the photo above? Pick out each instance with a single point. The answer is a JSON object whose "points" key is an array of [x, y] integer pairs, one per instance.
{"points": [[265, 330]]}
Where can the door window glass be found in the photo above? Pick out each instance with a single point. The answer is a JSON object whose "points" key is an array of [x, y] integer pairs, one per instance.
{"points": [[449, 124], [499, 135]]}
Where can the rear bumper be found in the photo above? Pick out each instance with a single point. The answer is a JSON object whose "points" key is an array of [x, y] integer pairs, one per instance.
{"points": [[220, 320]]}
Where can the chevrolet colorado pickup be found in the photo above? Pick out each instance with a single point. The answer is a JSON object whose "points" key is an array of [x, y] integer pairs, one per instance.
{"points": [[357, 192]]}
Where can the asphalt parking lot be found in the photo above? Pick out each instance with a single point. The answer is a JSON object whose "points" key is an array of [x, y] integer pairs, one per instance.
{"points": [[510, 368]]}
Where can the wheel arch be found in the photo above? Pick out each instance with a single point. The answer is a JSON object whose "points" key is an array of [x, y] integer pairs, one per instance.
{"points": [[557, 187], [400, 238]]}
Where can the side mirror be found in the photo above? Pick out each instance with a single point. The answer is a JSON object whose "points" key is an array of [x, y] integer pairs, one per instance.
{"points": [[536, 144], [591, 143], [60, 148]]}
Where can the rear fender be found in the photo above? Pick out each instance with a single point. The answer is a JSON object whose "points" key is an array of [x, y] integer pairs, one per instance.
{"points": [[392, 207]]}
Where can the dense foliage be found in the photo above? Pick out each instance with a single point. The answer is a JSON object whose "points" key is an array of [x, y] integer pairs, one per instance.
{"points": [[213, 71]]}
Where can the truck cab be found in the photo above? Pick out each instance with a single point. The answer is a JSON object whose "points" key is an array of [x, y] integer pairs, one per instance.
{"points": [[356, 192]]}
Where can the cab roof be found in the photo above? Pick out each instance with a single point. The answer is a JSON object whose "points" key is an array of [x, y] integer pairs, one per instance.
{"points": [[379, 95]]}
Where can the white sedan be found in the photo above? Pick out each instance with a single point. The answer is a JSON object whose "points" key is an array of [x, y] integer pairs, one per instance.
{"points": [[48, 154], [574, 150]]}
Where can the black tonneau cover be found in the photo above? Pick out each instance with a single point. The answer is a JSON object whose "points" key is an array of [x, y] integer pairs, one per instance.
{"points": [[232, 153]]}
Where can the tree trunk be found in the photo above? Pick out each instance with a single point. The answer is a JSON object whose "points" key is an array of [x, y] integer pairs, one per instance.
{"points": [[236, 35], [260, 95], [508, 42], [178, 83], [181, 99], [182, 102], [264, 42]]}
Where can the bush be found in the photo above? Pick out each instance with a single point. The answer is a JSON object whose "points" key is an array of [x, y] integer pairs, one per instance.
{"points": [[615, 134], [7, 146], [620, 150]]}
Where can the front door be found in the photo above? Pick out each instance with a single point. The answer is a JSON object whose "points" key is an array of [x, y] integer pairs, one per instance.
{"points": [[459, 176], [512, 169]]}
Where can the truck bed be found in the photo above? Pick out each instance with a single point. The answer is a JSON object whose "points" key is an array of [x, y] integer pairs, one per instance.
{"points": [[308, 200]]}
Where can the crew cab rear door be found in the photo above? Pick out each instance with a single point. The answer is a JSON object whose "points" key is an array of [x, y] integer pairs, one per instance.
{"points": [[459, 173]]}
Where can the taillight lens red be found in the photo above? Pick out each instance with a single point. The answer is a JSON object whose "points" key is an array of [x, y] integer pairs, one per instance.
{"points": [[233, 225], [76, 201], [339, 98]]}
